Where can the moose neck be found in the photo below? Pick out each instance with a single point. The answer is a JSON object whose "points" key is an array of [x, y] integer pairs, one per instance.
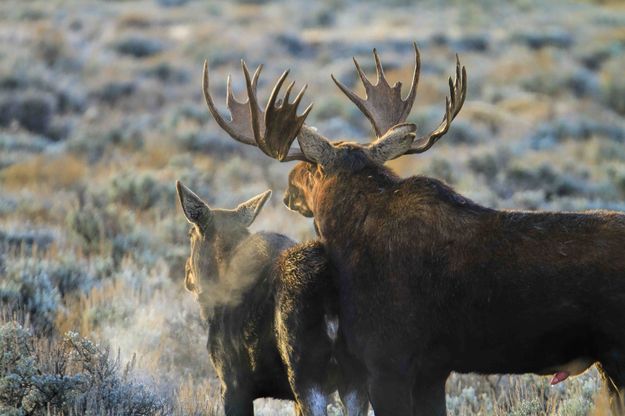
{"points": [[339, 199], [371, 206]]}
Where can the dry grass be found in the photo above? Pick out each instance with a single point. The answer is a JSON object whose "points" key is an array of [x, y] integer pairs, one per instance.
{"points": [[44, 172]]}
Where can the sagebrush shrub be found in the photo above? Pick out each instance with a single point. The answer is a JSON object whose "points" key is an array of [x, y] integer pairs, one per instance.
{"points": [[140, 191], [27, 286], [71, 375], [139, 47]]}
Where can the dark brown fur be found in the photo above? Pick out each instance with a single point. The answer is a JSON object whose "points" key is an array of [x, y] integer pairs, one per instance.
{"points": [[431, 282]]}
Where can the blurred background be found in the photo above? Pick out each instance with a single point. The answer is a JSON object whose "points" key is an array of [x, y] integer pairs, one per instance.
{"points": [[101, 111]]}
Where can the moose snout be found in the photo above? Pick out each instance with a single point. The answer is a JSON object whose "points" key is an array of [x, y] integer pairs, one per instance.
{"points": [[295, 204]]}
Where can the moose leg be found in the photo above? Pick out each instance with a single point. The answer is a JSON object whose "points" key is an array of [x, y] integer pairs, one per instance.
{"points": [[428, 398], [355, 402], [314, 402], [390, 395], [238, 403], [354, 397], [352, 384], [309, 377], [307, 352]]}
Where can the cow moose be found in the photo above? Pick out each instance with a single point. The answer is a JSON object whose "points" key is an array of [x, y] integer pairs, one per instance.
{"points": [[429, 281], [271, 309]]}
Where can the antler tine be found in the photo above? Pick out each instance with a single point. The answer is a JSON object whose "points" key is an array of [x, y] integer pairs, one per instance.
{"points": [[383, 105], [378, 68], [412, 93], [295, 155], [362, 75], [276, 89], [253, 104], [300, 95], [453, 104], [230, 94], [255, 109], [287, 93]]}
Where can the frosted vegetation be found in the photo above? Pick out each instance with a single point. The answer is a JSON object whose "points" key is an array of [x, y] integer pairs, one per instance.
{"points": [[101, 111]]}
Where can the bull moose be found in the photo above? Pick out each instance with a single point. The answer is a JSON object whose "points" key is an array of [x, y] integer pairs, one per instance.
{"points": [[429, 281], [271, 308]]}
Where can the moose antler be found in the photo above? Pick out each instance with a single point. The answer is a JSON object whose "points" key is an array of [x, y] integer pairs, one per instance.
{"points": [[383, 105], [272, 130], [458, 93], [385, 108]]}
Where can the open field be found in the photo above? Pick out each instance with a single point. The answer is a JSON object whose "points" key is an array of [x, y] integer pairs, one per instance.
{"points": [[101, 111]]}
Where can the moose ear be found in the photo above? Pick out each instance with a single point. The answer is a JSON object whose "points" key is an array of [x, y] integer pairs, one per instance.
{"points": [[196, 210], [247, 211], [394, 143], [316, 147]]}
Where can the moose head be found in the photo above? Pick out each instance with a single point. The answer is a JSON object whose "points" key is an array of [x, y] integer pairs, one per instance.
{"points": [[274, 129], [214, 234]]}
